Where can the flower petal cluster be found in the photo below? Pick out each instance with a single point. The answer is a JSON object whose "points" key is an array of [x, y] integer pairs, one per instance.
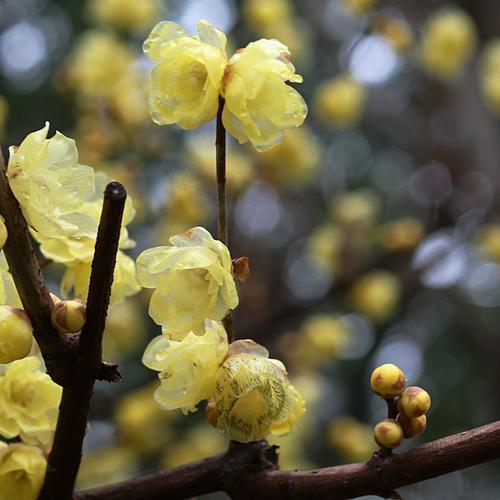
{"points": [[192, 281], [253, 397], [186, 79], [259, 103], [29, 401], [22, 469], [191, 73], [187, 367], [50, 184]]}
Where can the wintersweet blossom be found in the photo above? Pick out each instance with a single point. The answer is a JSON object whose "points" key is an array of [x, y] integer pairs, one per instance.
{"points": [[29, 401], [187, 367], [186, 79], [50, 184], [8, 292], [192, 281], [253, 397], [3, 232], [258, 102], [22, 469]]}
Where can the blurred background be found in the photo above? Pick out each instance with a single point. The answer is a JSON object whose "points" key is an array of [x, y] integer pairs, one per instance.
{"points": [[373, 231]]}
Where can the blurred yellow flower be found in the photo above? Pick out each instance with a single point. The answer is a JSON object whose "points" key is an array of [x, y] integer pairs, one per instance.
{"points": [[29, 402], [325, 247], [376, 294], [356, 208], [488, 241], [187, 367], [192, 281], [260, 14], [358, 7], [490, 75], [75, 281], [293, 162], [22, 470], [186, 79], [396, 30], [126, 14], [253, 398], [3, 232], [400, 235], [50, 184], [351, 439], [448, 41], [100, 60], [340, 101], [258, 102]]}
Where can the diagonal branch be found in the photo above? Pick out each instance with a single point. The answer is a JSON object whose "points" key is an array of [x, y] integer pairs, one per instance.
{"points": [[29, 281], [65, 456], [246, 472]]}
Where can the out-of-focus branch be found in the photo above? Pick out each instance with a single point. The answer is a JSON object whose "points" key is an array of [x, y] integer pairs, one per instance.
{"points": [[248, 472], [65, 456]]}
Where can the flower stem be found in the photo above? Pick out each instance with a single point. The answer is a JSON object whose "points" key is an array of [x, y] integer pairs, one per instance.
{"points": [[220, 148], [220, 153]]}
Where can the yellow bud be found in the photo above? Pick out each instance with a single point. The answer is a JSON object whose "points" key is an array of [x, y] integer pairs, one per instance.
{"points": [[388, 381], [388, 433], [68, 316], [16, 334], [414, 402], [412, 427], [3, 232]]}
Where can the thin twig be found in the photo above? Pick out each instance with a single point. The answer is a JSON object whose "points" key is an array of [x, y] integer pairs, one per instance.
{"points": [[227, 472], [65, 456]]}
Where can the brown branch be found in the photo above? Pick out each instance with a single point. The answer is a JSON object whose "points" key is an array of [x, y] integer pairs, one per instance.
{"points": [[220, 152], [246, 471], [65, 456], [30, 283]]}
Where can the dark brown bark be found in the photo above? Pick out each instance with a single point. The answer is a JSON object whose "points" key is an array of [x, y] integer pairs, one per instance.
{"points": [[247, 471], [65, 456]]}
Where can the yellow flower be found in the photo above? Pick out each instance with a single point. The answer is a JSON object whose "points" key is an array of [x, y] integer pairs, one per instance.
{"points": [[29, 402], [448, 40], [192, 281], [50, 184], [75, 281], [259, 103], [260, 14], [340, 101], [253, 397], [376, 294], [186, 79], [126, 14], [356, 208], [22, 469], [325, 247], [294, 161], [16, 334], [351, 438], [400, 235], [98, 62], [8, 292], [187, 367], [490, 75], [3, 232]]}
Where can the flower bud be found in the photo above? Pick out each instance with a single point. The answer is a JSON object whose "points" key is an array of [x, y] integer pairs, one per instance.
{"points": [[414, 402], [212, 413], [68, 316], [3, 232], [388, 433], [388, 381], [412, 427], [16, 334]]}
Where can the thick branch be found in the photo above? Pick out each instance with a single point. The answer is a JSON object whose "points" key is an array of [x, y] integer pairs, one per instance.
{"points": [[256, 480], [65, 456], [29, 281]]}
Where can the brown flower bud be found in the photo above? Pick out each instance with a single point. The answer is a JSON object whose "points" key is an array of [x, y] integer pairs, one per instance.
{"points": [[412, 427], [388, 381], [388, 433], [414, 402], [241, 269], [212, 413]]}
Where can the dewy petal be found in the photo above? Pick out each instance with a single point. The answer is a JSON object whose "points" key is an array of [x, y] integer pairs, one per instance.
{"points": [[156, 352], [208, 33], [161, 34]]}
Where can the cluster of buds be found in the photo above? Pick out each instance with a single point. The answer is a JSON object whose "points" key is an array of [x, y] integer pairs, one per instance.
{"points": [[407, 407]]}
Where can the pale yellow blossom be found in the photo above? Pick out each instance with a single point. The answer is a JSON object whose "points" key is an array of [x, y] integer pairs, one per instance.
{"points": [[260, 14], [188, 367], [8, 292], [50, 184], [490, 75], [259, 104], [186, 79], [22, 470], [3, 232], [29, 402], [191, 279]]}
